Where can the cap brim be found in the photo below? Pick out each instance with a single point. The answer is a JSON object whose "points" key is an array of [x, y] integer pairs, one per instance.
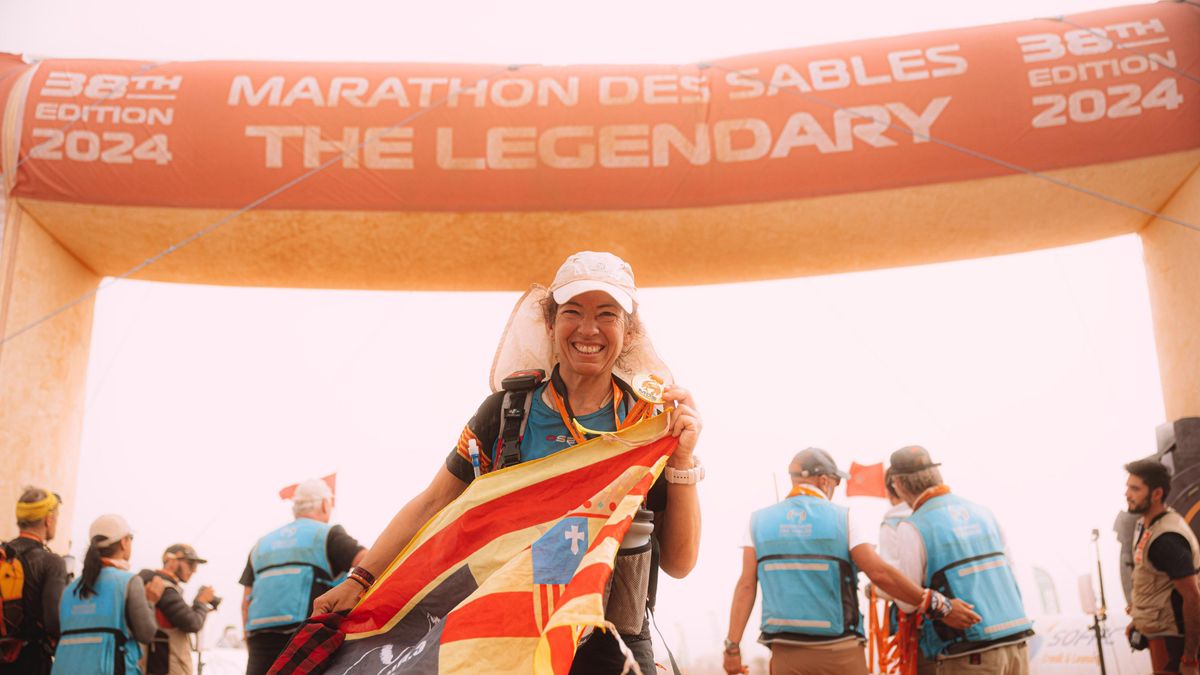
{"points": [[913, 469], [109, 541], [842, 474], [564, 293], [197, 560]]}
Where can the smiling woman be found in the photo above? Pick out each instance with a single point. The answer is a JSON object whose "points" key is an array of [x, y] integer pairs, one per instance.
{"points": [[585, 329]]}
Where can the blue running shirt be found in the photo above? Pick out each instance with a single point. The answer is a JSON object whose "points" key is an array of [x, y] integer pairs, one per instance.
{"points": [[545, 433]]}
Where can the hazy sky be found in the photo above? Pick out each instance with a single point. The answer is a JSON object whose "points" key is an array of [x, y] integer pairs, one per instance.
{"points": [[1032, 377]]}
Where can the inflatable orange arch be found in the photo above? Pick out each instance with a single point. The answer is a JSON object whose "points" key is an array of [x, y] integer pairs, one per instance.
{"points": [[880, 153]]}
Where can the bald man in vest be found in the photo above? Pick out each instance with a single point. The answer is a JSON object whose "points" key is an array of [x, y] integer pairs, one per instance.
{"points": [[1166, 597], [288, 568]]}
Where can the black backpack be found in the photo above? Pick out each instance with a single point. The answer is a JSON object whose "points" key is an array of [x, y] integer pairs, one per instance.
{"points": [[504, 415]]}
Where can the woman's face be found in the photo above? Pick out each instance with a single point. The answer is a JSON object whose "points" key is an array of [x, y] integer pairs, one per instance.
{"points": [[589, 333]]}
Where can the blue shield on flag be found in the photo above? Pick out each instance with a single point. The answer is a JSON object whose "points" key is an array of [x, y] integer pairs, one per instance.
{"points": [[557, 554]]}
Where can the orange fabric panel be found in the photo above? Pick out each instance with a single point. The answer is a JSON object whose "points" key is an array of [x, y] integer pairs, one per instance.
{"points": [[1042, 94]]}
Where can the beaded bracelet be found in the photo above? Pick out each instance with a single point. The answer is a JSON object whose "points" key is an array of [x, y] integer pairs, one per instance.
{"points": [[939, 606]]}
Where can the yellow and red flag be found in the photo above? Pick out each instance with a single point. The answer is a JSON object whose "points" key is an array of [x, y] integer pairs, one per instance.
{"points": [[508, 576]]}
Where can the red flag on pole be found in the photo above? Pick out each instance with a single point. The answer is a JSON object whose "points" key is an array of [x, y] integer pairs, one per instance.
{"points": [[866, 481], [290, 491]]}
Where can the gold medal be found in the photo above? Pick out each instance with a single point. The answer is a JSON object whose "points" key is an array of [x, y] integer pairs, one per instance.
{"points": [[649, 387]]}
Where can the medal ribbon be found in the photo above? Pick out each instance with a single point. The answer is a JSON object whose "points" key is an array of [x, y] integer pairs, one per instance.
{"points": [[637, 412], [808, 490]]}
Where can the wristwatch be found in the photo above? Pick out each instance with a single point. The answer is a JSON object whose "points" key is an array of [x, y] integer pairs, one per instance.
{"points": [[685, 476], [732, 647]]}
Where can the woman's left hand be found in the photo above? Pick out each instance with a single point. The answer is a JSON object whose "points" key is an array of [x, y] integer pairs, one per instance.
{"points": [[685, 421]]}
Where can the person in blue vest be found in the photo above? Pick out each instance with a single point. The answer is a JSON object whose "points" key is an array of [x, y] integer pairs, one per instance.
{"points": [[108, 611], [806, 553], [288, 568], [958, 548]]}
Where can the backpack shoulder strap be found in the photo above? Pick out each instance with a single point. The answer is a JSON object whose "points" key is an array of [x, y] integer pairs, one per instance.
{"points": [[514, 413], [9, 553], [486, 423]]}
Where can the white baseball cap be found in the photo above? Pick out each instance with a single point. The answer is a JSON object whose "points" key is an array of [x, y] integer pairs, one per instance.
{"points": [[526, 344], [595, 271], [110, 526]]}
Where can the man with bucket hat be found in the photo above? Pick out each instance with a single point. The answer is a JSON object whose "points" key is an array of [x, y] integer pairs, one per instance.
{"points": [[806, 553], [171, 651], [957, 547]]}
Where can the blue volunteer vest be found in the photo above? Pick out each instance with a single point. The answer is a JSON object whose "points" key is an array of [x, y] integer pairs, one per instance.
{"points": [[95, 636], [286, 563], [964, 558], [809, 582]]}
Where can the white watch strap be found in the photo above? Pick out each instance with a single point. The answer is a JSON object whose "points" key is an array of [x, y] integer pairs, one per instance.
{"points": [[685, 476]]}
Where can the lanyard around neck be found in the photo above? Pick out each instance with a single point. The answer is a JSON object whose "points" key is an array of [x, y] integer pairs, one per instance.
{"points": [[562, 403], [808, 491]]}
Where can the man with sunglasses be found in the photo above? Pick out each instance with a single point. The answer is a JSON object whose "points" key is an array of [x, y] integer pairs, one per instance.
{"points": [[171, 651], [806, 552]]}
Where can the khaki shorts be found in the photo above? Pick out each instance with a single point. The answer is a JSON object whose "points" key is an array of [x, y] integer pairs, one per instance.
{"points": [[1007, 660], [847, 657]]}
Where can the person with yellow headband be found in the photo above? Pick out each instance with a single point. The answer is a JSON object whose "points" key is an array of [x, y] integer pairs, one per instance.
{"points": [[32, 618], [806, 553]]}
